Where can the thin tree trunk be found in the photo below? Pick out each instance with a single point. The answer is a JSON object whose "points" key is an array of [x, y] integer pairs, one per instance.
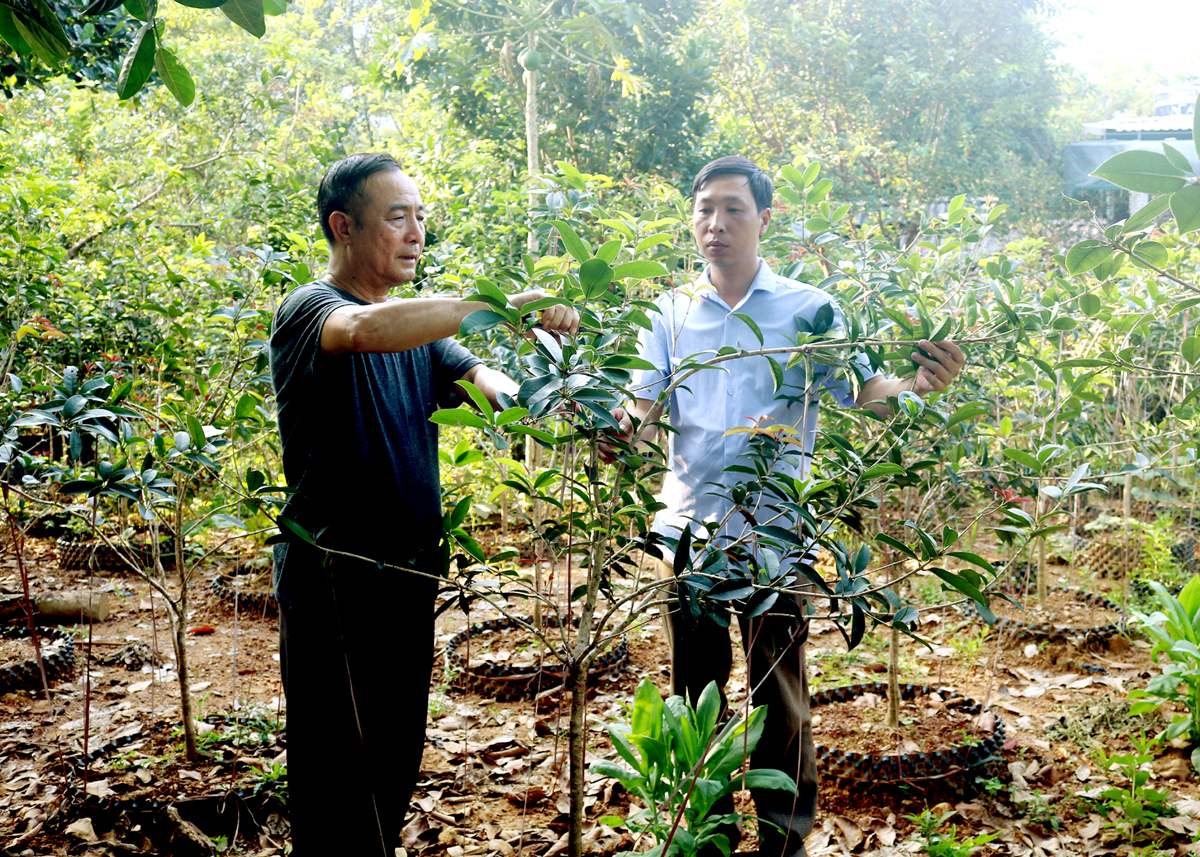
{"points": [[531, 139], [178, 614]]}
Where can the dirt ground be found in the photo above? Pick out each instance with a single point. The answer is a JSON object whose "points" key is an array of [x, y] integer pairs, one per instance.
{"points": [[494, 774]]}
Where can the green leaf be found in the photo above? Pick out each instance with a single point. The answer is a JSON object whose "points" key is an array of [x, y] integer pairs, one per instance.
{"points": [[175, 77], [768, 778], [458, 417], [640, 269], [1023, 458], [195, 433], [1185, 207], [1150, 252], [966, 412], [776, 373], [572, 242], [652, 241], [1191, 349], [1086, 255], [10, 33], [1090, 304], [247, 407], [247, 14], [140, 9], [480, 400], [627, 361], [275, 7], [479, 321], [42, 32], [1147, 172], [885, 469], [750, 323], [1064, 322], [595, 275], [1146, 215], [1178, 159]]}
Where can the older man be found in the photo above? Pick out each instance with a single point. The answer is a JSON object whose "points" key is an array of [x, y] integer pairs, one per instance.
{"points": [[357, 377], [731, 209]]}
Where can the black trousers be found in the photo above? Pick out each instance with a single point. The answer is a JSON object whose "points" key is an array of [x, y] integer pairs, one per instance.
{"points": [[701, 652], [355, 645]]}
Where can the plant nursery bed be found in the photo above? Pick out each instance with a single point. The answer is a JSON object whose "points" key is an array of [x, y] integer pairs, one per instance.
{"points": [[1067, 613], [941, 734]]}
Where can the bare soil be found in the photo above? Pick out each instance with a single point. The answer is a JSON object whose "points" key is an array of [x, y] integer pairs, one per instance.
{"points": [[493, 772]]}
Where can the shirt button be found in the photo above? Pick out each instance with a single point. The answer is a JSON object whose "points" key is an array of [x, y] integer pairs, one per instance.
{"points": [[730, 392]]}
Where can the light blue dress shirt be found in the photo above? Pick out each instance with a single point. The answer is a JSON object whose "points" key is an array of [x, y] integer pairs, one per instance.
{"points": [[695, 323]]}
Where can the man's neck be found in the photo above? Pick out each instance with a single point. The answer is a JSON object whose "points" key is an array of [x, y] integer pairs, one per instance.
{"points": [[337, 276], [732, 284]]}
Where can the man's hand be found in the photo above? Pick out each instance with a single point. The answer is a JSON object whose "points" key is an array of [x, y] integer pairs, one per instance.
{"points": [[938, 370], [946, 360], [607, 453], [560, 318]]}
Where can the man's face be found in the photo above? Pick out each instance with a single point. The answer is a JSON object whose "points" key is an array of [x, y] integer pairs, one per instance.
{"points": [[726, 222], [390, 232]]}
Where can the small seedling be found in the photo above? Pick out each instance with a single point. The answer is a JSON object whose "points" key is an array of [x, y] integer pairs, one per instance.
{"points": [[938, 844]]}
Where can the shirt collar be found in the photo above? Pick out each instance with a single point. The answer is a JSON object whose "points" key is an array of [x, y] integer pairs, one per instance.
{"points": [[765, 279]]}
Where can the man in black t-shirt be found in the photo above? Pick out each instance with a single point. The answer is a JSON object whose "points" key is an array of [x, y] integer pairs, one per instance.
{"points": [[357, 377]]}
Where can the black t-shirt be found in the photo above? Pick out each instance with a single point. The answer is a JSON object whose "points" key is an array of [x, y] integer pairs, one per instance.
{"points": [[358, 446]]}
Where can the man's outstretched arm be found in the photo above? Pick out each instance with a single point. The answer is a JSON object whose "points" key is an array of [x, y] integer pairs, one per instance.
{"points": [[401, 325]]}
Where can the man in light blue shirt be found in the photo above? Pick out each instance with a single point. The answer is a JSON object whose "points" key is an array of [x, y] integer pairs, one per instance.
{"points": [[731, 199]]}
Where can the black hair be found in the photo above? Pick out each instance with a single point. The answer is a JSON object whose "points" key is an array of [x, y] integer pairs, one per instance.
{"points": [[341, 186], [735, 165]]}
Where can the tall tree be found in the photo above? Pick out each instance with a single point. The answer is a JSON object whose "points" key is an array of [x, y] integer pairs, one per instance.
{"points": [[612, 85], [906, 101]]}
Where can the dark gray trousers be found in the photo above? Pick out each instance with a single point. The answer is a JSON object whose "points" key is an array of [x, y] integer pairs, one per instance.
{"points": [[355, 645], [701, 652]]}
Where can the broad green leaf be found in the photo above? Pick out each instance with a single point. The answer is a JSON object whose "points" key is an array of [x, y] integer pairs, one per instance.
{"points": [[196, 433], [572, 242], [640, 270], [1090, 304], [247, 14], [750, 323], [1087, 254], [1146, 215], [140, 9], [595, 275], [458, 417], [479, 321], [1185, 207], [1191, 349], [885, 469], [10, 33], [1178, 159], [1023, 458], [767, 778], [652, 241], [42, 32], [138, 63], [175, 77], [966, 412], [1150, 252], [776, 373], [1064, 322], [480, 400], [1147, 172], [627, 361]]}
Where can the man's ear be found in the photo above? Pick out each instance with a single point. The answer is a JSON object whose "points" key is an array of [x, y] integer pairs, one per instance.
{"points": [[765, 218], [340, 223]]}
